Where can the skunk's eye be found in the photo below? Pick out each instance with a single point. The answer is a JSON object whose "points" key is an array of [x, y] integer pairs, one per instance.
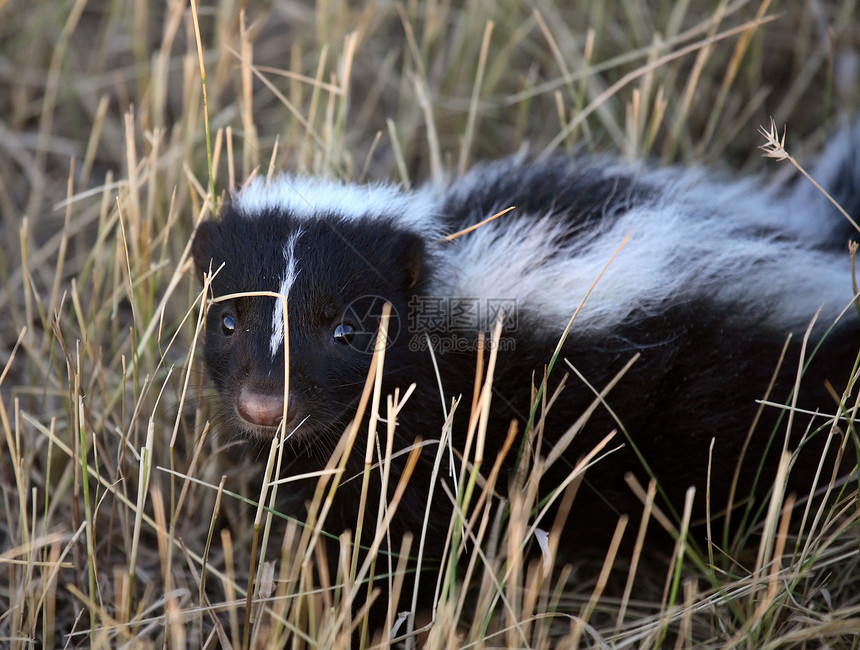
{"points": [[228, 324], [344, 333]]}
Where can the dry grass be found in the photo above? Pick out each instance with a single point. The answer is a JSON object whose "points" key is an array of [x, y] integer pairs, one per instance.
{"points": [[117, 528]]}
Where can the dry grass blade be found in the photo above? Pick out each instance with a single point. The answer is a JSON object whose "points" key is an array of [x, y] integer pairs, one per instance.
{"points": [[774, 147]]}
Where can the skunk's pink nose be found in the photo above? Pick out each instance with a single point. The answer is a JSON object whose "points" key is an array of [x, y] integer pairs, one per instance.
{"points": [[259, 407]]}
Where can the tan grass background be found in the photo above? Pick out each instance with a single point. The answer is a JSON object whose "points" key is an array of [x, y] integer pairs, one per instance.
{"points": [[113, 531]]}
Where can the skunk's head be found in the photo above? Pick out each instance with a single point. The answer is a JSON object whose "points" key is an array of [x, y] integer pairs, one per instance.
{"points": [[335, 272]]}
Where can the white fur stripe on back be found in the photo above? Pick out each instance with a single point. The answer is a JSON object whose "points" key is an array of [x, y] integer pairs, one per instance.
{"points": [[735, 243]]}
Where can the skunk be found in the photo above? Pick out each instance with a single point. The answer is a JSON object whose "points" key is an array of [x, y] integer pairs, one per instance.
{"points": [[715, 276]]}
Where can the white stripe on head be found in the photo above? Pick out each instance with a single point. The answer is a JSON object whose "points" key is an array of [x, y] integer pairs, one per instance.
{"points": [[286, 284], [308, 198]]}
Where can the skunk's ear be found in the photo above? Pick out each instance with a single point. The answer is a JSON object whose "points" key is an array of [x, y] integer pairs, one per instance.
{"points": [[411, 259], [207, 241]]}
